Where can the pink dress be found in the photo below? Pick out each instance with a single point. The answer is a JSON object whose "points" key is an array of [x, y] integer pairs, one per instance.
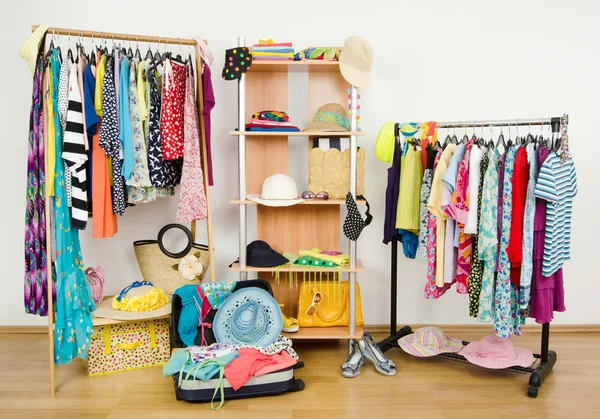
{"points": [[192, 201]]}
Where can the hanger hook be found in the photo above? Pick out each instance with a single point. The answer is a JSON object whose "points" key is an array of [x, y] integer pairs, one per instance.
{"points": [[517, 127]]}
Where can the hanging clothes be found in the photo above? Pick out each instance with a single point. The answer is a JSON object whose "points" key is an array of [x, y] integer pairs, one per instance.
{"points": [[487, 239], [508, 319], [125, 134], [408, 211], [477, 267], [192, 200], [547, 292], [391, 196], [139, 187], [171, 116], [431, 155], [528, 228], [435, 207], [36, 269], [109, 135], [209, 104], [519, 195], [432, 291]]}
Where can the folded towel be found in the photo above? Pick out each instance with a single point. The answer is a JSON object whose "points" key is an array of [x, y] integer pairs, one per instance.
{"points": [[342, 260]]}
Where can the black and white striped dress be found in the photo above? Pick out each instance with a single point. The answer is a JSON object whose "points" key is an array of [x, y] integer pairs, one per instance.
{"points": [[74, 153]]}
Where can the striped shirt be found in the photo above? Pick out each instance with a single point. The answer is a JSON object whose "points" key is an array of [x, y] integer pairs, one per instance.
{"points": [[74, 153], [557, 184]]}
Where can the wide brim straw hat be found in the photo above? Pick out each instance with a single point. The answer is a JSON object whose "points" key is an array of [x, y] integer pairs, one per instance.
{"points": [[329, 117], [249, 316], [429, 341], [356, 60], [105, 308]]}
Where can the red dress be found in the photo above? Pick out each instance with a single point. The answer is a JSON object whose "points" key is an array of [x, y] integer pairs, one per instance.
{"points": [[519, 196], [171, 116]]}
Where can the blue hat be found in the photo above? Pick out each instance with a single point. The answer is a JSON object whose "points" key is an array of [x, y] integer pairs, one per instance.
{"points": [[249, 316]]}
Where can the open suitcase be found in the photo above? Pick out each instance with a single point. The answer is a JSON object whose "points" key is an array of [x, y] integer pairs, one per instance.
{"points": [[202, 391]]}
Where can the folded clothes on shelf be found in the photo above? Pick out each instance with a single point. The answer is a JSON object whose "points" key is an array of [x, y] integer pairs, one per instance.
{"points": [[271, 121], [322, 54], [269, 50]]}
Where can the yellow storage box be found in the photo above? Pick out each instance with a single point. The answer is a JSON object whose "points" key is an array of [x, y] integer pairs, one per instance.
{"points": [[129, 346]]}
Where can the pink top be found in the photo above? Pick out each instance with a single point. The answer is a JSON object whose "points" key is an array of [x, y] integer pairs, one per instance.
{"points": [[252, 363]]}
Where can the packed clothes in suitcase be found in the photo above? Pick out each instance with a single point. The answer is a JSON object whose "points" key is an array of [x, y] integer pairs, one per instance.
{"points": [[227, 343]]}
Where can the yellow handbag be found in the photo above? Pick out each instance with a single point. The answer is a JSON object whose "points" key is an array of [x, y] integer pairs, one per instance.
{"points": [[331, 304]]}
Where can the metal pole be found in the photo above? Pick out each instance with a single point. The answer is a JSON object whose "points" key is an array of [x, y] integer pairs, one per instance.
{"points": [[493, 123], [352, 275], [394, 290], [242, 165]]}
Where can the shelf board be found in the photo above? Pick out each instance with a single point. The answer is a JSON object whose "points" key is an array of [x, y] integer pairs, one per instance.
{"points": [[103, 321], [297, 268], [238, 201], [324, 134], [338, 332], [281, 66]]}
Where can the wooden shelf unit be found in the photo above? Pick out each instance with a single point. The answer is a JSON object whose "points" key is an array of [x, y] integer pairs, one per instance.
{"points": [[338, 332], [263, 154], [298, 268]]}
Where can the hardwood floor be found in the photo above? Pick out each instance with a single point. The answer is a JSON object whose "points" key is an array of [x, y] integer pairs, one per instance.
{"points": [[423, 388]]}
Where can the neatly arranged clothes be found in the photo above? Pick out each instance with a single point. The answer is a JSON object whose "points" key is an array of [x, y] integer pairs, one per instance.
{"points": [[269, 50], [271, 121], [495, 224]]}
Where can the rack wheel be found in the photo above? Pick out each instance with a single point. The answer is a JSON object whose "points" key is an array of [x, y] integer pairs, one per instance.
{"points": [[298, 385], [532, 392]]}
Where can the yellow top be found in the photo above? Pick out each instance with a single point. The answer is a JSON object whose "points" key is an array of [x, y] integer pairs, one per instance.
{"points": [[435, 206], [341, 260], [409, 199], [141, 90], [100, 70], [51, 136]]}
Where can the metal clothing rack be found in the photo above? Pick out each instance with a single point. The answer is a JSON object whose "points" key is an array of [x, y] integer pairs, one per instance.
{"points": [[52, 31], [545, 360]]}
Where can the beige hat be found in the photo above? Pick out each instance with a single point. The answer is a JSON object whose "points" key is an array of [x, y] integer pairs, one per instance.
{"points": [[330, 117], [31, 47], [356, 60], [277, 191], [139, 301]]}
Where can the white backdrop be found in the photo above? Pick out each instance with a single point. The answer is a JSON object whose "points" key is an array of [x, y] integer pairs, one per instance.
{"points": [[434, 60]]}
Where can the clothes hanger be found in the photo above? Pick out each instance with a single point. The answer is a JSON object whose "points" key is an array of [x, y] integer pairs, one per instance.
{"points": [[465, 137], [454, 139], [447, 140], [474, 137], [509, 143], [490, 143], [501, 138], [138, 54], [530, 138], [70, 51], [149, 52], [129, 50]]}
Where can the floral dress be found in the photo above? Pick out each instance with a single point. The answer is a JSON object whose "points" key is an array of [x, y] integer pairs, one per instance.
{"points": [[487, 239], [528, 223], [36, 268], [507, 322], [432, 291], [139, 188]]}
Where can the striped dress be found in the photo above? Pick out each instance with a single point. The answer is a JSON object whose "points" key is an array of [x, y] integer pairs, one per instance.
{"points": [[557, 184]]}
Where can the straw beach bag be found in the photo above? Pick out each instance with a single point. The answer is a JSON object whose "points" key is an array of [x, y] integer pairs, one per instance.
{"points": [[164, 269]]}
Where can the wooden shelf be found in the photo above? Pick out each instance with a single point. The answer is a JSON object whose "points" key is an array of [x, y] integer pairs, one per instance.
{"points": [[338, 332], [298, 268], [324, 134], [237, 201], [103, 321], [284, 66]]}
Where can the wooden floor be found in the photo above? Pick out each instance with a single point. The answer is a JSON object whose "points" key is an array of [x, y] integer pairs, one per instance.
{"points": [[431, 388]]}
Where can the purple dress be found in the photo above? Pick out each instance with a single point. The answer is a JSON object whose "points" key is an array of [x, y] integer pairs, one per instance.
{"points": [[547, 293], [36, 268]]}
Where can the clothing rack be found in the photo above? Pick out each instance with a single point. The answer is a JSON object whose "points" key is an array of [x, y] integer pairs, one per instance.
{"points": [[204, 161], [544, 362]]}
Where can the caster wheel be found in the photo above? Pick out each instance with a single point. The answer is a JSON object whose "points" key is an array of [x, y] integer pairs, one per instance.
{"points": [[177, 398], [532, 392], [298, 385]]}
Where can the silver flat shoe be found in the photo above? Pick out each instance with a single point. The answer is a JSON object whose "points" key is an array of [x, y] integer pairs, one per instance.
{"points": [[351, 368], [371, 351]]}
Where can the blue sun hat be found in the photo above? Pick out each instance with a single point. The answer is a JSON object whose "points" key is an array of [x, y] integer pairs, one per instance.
{"points": [[249, 316]]}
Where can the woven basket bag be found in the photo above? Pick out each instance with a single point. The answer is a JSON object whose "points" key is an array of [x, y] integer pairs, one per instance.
{"points": [[159, 266]]}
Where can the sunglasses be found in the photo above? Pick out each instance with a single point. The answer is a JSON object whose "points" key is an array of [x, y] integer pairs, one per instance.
{"points": [[312, 309], [311, 195]]}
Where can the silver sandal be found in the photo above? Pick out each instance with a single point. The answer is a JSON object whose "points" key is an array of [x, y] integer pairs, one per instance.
{"points": [[351, 368], [371, 351]]}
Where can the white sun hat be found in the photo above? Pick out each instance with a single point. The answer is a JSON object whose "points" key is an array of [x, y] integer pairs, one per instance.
{"points": [[356, 60], [278, 191]]}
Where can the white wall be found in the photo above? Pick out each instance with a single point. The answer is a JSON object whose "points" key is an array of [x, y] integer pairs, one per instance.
{"points": [[434, 60]]}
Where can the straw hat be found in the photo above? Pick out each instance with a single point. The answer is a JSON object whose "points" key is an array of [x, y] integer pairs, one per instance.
{"points": [[497, 353], [429, 341], [330, 117], [277, 191], [356, 60], [138, 301]]}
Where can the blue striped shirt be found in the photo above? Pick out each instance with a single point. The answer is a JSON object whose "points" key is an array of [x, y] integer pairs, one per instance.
{"points": [[557, 184]]}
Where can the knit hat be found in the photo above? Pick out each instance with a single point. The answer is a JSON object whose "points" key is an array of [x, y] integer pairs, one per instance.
{"points": [[330, 117]]}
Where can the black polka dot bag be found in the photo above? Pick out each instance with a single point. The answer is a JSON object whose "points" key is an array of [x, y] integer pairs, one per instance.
{"points": [[354, 224]]}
